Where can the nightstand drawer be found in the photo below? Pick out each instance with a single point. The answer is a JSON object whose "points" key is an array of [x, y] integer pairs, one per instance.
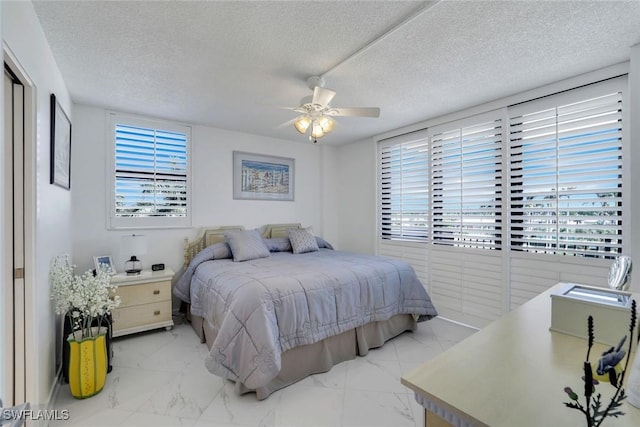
{"points": [[141, 315], [145, 302], [151, 292]]}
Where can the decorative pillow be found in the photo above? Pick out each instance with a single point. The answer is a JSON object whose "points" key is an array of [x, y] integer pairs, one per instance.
{"points": [[246, 245], [278, 244], [302, 241], [323, 243]]}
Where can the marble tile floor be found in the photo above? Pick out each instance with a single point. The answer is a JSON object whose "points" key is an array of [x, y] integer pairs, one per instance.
{"points": [[159, 379]]}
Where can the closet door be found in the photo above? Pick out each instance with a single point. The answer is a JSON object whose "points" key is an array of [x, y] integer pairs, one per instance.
{"points": [[13, 307]]}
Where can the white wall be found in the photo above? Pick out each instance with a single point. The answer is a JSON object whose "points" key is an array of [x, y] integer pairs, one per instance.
{"points": [[356, 195], [51, 220], [212, 192]]}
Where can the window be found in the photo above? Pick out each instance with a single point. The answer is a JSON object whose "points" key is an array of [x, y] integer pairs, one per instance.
{"points": [[516, 199], [404, 188], [461, 163], [466, 179], [563, 185], [566, 174], [150, 173]]}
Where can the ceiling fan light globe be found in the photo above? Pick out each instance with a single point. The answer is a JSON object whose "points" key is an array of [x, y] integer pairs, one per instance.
{"points": [[327, 124], [316, 130], [302, 123]]}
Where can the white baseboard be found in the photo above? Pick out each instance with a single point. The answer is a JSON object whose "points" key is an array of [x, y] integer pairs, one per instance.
{"points": [[53, 394]]}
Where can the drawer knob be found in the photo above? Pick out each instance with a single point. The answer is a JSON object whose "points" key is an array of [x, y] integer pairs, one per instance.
{"points": [[156, 313], [156, 292]]}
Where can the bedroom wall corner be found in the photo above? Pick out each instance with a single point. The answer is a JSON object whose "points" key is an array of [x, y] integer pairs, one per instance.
{"points": [[330, 189], [356, 196], [50, 206]]}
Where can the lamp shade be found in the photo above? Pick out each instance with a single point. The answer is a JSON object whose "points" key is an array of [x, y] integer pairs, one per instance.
{"points": [[326, 123], [134, 244], [302, 124], [316, 130]]}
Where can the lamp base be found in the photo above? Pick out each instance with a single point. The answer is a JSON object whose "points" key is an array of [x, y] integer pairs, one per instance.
{"points": [[133, 266]]}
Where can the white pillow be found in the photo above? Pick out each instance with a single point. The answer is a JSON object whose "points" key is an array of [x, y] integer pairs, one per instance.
{"points": [[246, 245], [302, 241]]}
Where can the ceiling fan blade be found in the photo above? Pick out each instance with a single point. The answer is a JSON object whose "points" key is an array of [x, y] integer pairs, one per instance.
{"points": [[295, 109], [358, 112], [322, 96], [286, 124]]}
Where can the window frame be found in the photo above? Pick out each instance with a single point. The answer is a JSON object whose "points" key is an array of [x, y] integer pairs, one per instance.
{"points": [[560, 245], [584, 90], [420, 138], [468, 190], [118, 222]]}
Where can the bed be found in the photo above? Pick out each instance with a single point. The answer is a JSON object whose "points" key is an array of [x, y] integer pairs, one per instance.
{"points": [[278, 304]]}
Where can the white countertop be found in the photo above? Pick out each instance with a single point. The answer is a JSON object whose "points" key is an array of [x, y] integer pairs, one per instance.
{"points": [[513, 372], [122, 279]]}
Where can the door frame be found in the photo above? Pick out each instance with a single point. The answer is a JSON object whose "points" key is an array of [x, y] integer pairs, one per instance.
{"points": [[31, 373]]}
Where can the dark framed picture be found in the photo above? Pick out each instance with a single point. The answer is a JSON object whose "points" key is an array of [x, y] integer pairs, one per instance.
{"points": [[60, 146], [262, 177]]}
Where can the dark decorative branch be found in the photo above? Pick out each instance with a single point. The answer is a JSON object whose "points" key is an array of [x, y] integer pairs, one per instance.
{"points": [[591, 336], [588, 388], [593, 407], [634, 322]]}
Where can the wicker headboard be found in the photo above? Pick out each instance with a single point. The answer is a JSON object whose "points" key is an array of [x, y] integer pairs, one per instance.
{"points": [[209, 236], [277, 230]]}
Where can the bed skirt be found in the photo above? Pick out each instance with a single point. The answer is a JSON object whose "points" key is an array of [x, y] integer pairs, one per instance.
{"points": [[300, 362]]}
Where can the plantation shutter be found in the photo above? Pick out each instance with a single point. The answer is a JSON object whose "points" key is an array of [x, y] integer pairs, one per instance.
{"points": [[404, 187], [466, 176], [566, 173], [150, 172]]}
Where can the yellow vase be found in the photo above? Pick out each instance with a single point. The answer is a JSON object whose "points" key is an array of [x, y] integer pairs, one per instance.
{"points": [[87, 365]]}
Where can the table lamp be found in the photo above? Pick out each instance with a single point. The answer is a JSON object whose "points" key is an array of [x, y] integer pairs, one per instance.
{"points": [[136, 245]]}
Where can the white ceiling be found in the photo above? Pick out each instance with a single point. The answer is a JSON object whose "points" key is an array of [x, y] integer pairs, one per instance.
{"points": [[235, 64]]}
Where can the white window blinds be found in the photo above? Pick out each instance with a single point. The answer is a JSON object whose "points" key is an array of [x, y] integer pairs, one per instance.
{"points": [[466, 177], [404, 187], [566, 173], [150, 173]]}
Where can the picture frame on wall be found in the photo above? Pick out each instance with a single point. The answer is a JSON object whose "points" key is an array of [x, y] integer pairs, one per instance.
{"points": [[104, 260], [262, 177], [60, 162]]}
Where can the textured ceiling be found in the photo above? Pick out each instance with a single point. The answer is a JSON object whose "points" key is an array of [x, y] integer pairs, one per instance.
{"points": [[234, 65]]}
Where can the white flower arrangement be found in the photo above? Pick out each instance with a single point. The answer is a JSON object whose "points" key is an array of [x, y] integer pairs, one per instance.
{"points": [[86, 299]]}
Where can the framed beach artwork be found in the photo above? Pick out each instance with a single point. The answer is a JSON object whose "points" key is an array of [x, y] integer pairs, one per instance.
{"points": [[262, 177], [60, 162]]}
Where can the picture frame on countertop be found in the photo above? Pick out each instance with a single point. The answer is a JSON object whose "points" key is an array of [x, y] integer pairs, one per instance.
{"points": [[106, 260]]}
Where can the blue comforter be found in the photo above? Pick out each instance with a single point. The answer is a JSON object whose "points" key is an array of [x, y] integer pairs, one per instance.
{"points": [[263, 307]]}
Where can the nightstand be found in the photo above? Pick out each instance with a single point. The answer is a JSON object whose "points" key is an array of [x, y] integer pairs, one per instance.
{"points": [[145, 302]]}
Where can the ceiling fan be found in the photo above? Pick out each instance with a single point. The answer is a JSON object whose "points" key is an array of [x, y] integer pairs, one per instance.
{"points": [[317, 114]]}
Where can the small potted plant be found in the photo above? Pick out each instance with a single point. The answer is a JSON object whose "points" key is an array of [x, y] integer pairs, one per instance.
{"points": [[87, 300]]}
